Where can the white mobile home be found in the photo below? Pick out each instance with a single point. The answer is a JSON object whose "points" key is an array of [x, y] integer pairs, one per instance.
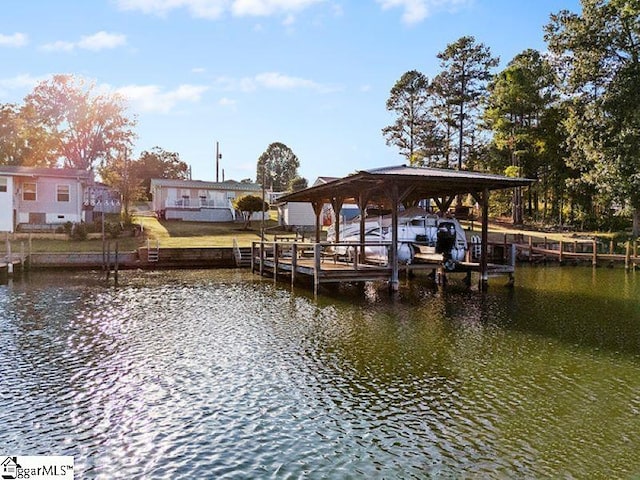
{"points": [[41, 197], [199, 201]]}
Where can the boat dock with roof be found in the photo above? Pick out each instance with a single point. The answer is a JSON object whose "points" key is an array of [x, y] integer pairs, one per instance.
{"points": [[393, 188]]}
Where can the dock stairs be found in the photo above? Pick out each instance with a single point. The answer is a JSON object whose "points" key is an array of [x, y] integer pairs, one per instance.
{"points": [[242, 255], [153, 252]]}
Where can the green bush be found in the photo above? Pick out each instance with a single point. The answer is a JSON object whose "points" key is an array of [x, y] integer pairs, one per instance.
{"points": [[114, 230], [79, 232]]}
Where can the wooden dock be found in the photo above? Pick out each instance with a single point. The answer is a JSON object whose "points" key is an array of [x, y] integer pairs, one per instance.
{"points": [[13, 263], [588, 251], [319, 263]]}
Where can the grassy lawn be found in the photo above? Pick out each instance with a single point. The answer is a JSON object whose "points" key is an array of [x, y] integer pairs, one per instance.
{"points": [[60, 243], [178, 234]]}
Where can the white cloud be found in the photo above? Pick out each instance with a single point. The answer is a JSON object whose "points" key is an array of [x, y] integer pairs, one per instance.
{"points": [[59, 46], [278, 81], [227, 102], [214, 9], [417, 10], [263, 8], [98, 41], [102, 40], [198, 8], [289, 20], [20, 83], [15, 40], [151, 98], [271, 81]]}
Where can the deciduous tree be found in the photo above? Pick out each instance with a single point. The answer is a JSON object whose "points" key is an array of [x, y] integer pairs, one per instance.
{"points": [[119, 173], [158, 163], [86, 127], [248, 205], [598, 54], [22, 140], [298, 183], [518, 111], [277, 166]]}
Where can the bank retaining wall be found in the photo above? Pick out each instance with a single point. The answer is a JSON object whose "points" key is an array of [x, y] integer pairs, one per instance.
{"points": [[167, 258]]}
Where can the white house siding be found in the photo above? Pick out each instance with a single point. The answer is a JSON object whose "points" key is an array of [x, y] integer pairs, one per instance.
{"points": [[200, 215], [297, 214], [6, 200], [198, 201], [46, 205]]}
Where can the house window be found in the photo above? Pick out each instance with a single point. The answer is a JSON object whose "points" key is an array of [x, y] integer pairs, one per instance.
{"points": [[29, 191], [62, 193], [203, 197], [3, 184], [186, 195]]}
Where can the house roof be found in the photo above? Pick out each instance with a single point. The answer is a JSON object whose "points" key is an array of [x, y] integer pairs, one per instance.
{"points": [[414, 183], [323, 180], [20, 171], [202, 185]]}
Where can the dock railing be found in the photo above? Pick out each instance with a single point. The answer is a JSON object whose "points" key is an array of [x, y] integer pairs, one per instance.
{"points": [[324, 262], [594, 250]]}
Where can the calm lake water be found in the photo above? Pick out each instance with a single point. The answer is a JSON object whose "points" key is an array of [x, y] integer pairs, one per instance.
{"points": [[221, 374]]}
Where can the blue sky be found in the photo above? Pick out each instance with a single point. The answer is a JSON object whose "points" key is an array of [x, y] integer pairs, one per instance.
{"points": [[312, 74]]}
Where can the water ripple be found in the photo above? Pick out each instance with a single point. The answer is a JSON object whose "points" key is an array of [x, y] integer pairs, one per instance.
{"points": [[217, 375]]}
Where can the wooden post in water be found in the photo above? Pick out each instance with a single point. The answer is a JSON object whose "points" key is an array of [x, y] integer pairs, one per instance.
{"points": [[115, 273], [261, 257], [561, 246], [108, 265], [317, 252], [30, 252], [594, 259], [627, 257], [9, 257], [275, 261], [484, 245], [530, 247], [504, 249], [294, 262], [21, 258], [611, 247]]}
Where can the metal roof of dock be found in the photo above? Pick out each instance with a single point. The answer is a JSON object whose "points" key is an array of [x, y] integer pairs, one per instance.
{"points": [[419, 182]]}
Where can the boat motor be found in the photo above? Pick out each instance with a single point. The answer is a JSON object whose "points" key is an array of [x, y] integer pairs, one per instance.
{"points": [[446, 240]]}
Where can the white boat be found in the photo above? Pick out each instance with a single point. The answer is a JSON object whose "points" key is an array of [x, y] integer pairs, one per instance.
{"points": [[418, 232]]}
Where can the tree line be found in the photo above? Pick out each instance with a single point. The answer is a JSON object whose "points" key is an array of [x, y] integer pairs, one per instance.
{"points": [[569, 117]]}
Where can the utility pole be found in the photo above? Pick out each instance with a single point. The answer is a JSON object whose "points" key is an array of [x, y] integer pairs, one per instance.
{"points": [[263, 195], [218, 157]]}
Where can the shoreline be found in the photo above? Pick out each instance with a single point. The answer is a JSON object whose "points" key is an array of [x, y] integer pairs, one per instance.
{"points": [[205, 257]]}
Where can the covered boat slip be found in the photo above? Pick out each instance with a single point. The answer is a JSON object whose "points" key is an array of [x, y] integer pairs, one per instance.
{"points": [[319, 263], [392, 188]]}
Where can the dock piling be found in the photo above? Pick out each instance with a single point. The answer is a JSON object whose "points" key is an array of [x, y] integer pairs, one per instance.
{"points": [[627, 256]]}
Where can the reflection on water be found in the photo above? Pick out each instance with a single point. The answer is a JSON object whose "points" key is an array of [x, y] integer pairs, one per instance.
{"points": [[219, 374]]}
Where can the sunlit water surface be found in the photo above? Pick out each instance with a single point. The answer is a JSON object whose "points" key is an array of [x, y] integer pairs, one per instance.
{"points": [[221, 374]]}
